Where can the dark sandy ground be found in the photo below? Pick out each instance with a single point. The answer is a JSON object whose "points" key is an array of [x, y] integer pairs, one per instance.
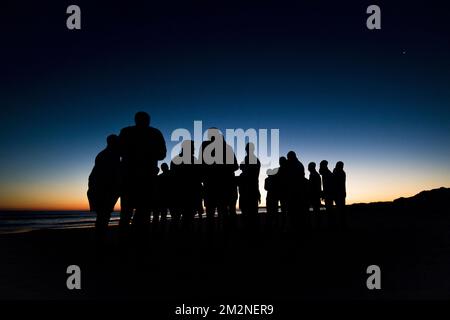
{"points": [[413, 252]]}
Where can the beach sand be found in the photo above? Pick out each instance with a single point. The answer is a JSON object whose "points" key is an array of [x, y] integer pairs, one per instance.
{"points": [[412, 252]]}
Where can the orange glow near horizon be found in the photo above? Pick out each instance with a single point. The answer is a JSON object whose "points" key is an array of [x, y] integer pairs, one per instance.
{"points": [[361, 187]]}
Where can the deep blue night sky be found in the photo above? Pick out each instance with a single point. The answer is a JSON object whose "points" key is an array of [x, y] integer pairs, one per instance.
{"points": [[377, 100]]}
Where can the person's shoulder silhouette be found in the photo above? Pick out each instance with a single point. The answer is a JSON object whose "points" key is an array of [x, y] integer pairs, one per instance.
{"points": [[141, 142], [269, 181], [314, 176], [251, 164], [217, 154], [295, 166], [314, 187], [104, 184], [281, 172], [327, 184], [107, 162]]}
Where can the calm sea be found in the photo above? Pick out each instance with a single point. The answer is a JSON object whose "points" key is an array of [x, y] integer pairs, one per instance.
{"points": [[23, 221]]}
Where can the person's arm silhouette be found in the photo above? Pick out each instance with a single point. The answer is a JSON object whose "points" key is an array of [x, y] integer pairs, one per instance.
{"points": [[161, 149]]}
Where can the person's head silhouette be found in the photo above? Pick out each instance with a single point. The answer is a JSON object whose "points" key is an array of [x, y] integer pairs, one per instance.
{"points": [[323, 164], [142, 119], [112, 141], [250, 153], [340, 165], [282, 161], [291, 156], [312, 166]]}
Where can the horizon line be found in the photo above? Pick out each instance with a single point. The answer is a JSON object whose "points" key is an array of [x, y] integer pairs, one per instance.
{"points": [[117, 207]]}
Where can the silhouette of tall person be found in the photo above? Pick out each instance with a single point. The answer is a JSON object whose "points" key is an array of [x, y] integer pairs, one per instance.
{"points": [[141, 146], [272, 197], [104, 184], [340, 192], [315, 187], [297, 203], [218, 166], [249, 195], [281, 185], [327, 190], [315, 192], [187, 181]]}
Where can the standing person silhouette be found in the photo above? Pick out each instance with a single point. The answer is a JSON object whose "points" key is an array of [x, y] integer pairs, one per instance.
{"points": [[315, 191], [188, 182], [327, 188], [340, 192], [272, 196], [249, 195], [104, 185], [297, 203], [141, 146], [218, 166], [281, 187]]}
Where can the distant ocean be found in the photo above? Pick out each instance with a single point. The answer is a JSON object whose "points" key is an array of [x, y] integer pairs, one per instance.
{"points": [[23, 221]]}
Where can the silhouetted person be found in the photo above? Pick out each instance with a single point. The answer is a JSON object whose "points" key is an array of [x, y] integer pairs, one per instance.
{"points": [[297, 203], [327, 189], [104, 184], [340, 192], [281, 185], [249, 195], [292, 160], [141, 146], [315, 191], [272, 197], [187, 186], [218, 166], [315, 187]]}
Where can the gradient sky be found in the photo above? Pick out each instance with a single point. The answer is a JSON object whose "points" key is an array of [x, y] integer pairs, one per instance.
{"points": [[377, 100]]}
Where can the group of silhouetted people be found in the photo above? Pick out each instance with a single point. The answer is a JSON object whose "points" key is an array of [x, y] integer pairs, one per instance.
{"points": [[289, 190], [192, 185]]}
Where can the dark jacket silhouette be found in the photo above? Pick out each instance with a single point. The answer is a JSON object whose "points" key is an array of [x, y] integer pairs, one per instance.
{"points": [[272, 196], [315, 186], [296, 185], [104, 183], [327, 184], [141, 146], [249, 195], [186, 181], [339, 184], [281, 184], [218, 164]]}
